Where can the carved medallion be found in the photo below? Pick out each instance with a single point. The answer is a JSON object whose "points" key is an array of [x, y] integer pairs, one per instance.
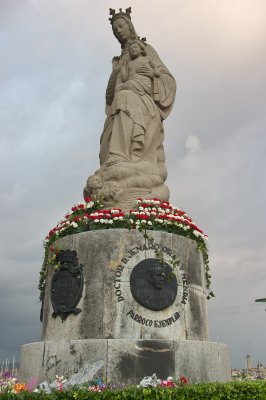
{"points": [[67, 285], [153, 284]]}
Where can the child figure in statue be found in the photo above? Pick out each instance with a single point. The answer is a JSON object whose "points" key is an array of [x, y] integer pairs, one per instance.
{"points": [[129, 69]]}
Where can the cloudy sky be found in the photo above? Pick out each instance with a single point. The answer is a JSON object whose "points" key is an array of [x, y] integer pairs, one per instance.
{"points": [[55, 63]]}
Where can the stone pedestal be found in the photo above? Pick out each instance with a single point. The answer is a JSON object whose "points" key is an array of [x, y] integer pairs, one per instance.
{"points": [[126, 361], [115, 336]]}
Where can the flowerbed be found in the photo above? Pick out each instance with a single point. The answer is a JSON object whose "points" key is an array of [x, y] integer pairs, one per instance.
{"points": [[149, 214], [211, 391]]}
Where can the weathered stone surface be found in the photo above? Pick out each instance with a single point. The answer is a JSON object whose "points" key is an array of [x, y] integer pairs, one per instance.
{"points": [[109, 309], [144, 357], [125, 360], [202, 361], [62, 357]]}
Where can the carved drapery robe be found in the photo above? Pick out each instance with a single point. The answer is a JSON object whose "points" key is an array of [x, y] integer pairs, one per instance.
{"points": [[133, 129]]}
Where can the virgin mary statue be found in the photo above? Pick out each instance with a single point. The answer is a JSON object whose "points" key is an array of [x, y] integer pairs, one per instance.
{"points": [[132, 161]]}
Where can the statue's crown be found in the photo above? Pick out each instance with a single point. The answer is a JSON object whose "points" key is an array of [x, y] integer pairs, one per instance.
{"points": [[119, 14], [67, 256]]}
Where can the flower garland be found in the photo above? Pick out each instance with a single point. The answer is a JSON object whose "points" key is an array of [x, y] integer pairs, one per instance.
{"points": [[149, 214]]}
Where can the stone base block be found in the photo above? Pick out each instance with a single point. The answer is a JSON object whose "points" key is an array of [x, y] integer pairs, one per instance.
{"points": [[125, 361], [110, 310]]}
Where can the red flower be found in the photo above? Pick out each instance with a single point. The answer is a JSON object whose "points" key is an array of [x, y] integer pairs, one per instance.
{"points": [[87, 199], [184, 380], [105, 211], [142, 216], [145, 205], [168, 384]]}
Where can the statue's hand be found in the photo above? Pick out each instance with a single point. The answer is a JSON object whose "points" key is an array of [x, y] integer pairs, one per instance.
{"points": [[116, 64], [145, 70]]}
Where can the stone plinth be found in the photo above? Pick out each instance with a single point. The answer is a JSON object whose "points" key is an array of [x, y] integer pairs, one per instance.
{"points": [[108, 307], [125, 360], [123, 339]]}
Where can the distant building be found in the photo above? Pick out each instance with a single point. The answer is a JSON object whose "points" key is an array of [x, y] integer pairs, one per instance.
{"points": [[249, 363]]}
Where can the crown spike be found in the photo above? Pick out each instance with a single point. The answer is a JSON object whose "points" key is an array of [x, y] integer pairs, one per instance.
{"points": [[121, 13]]}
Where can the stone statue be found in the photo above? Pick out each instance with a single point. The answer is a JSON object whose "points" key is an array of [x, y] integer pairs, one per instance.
{"points": [[139, 96]]}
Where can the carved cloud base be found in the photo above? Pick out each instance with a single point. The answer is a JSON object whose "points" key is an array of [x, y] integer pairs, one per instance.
{"points": [[120, 184]]}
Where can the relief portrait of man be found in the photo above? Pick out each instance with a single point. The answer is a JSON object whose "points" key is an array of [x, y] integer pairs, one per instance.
{"points": [[153, 284]]}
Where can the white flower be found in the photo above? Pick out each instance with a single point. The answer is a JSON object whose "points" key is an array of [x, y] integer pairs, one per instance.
{"points": [[121, 218], [143, 221], [149, 223], [74, 224], [141, 208], [110, 222], [96, 220]]}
